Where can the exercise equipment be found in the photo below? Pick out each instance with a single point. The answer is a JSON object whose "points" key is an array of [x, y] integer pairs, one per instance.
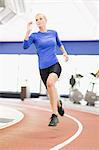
{"points": [[91, 95], [72, 81], [74, 94]]}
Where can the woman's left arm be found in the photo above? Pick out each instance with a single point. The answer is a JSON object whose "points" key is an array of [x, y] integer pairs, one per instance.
{"points": [[65, 55], [59, 43]]}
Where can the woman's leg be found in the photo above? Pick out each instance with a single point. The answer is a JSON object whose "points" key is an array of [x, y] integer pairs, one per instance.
{"points": [[52, 92]]}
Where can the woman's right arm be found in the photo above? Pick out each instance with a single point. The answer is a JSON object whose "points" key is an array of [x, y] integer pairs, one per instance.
{"points": [[28, 40]]}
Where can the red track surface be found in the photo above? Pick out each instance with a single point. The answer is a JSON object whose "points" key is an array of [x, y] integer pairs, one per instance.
{"points": [[33, 133]]}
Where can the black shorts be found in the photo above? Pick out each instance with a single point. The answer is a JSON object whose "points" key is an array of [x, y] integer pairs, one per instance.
{"points": [[44, 73]]}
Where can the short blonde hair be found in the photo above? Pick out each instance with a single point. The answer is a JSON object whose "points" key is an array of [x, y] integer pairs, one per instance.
{"points": [[38, 14]]}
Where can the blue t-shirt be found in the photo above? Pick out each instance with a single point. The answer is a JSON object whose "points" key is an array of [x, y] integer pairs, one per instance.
{"points": [[45, 43]]}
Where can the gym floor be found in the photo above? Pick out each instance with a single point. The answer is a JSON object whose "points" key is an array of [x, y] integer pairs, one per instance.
{"points": [[26, 126]]}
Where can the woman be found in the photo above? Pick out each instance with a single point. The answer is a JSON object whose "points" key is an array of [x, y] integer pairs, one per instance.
{"points": [[45, 42]]}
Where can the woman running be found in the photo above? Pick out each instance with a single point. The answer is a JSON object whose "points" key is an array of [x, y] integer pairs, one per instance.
{"points": [[45, 42]]}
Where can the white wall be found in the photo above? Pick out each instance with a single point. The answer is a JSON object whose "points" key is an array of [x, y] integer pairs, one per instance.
{"points": [[8, 72], [71, 18], [16, 69]]}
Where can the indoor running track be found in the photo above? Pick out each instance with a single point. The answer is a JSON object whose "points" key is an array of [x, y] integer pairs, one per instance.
{"points": [[76, 131]]}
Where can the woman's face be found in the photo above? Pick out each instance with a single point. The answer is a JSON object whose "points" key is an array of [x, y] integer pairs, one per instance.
{"points": [[40, 20]]}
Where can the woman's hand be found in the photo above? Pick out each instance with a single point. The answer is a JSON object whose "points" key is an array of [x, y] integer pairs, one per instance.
{"points": [[29, 27], [65, 55]]}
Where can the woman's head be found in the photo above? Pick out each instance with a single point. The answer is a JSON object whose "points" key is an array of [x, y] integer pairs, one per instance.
{"points": [[41, 20]]}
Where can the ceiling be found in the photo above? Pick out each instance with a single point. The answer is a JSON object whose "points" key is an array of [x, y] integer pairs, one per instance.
{"points": [[10, 8], [73, 19]]}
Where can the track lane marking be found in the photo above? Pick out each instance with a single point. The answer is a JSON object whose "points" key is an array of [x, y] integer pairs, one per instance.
{"points": [[80, 128]]}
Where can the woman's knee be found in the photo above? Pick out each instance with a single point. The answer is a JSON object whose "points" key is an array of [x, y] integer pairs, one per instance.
{"points": [[52, 78], [50, 83]]}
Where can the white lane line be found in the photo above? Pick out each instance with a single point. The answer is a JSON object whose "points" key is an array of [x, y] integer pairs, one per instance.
{"points": [[10, 113], [80, 128]]}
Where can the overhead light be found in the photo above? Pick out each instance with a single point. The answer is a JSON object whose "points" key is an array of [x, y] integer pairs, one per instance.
{"points": [[5, 15], [2, 3], [21, 5], [18, 5], [9, 8]]}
